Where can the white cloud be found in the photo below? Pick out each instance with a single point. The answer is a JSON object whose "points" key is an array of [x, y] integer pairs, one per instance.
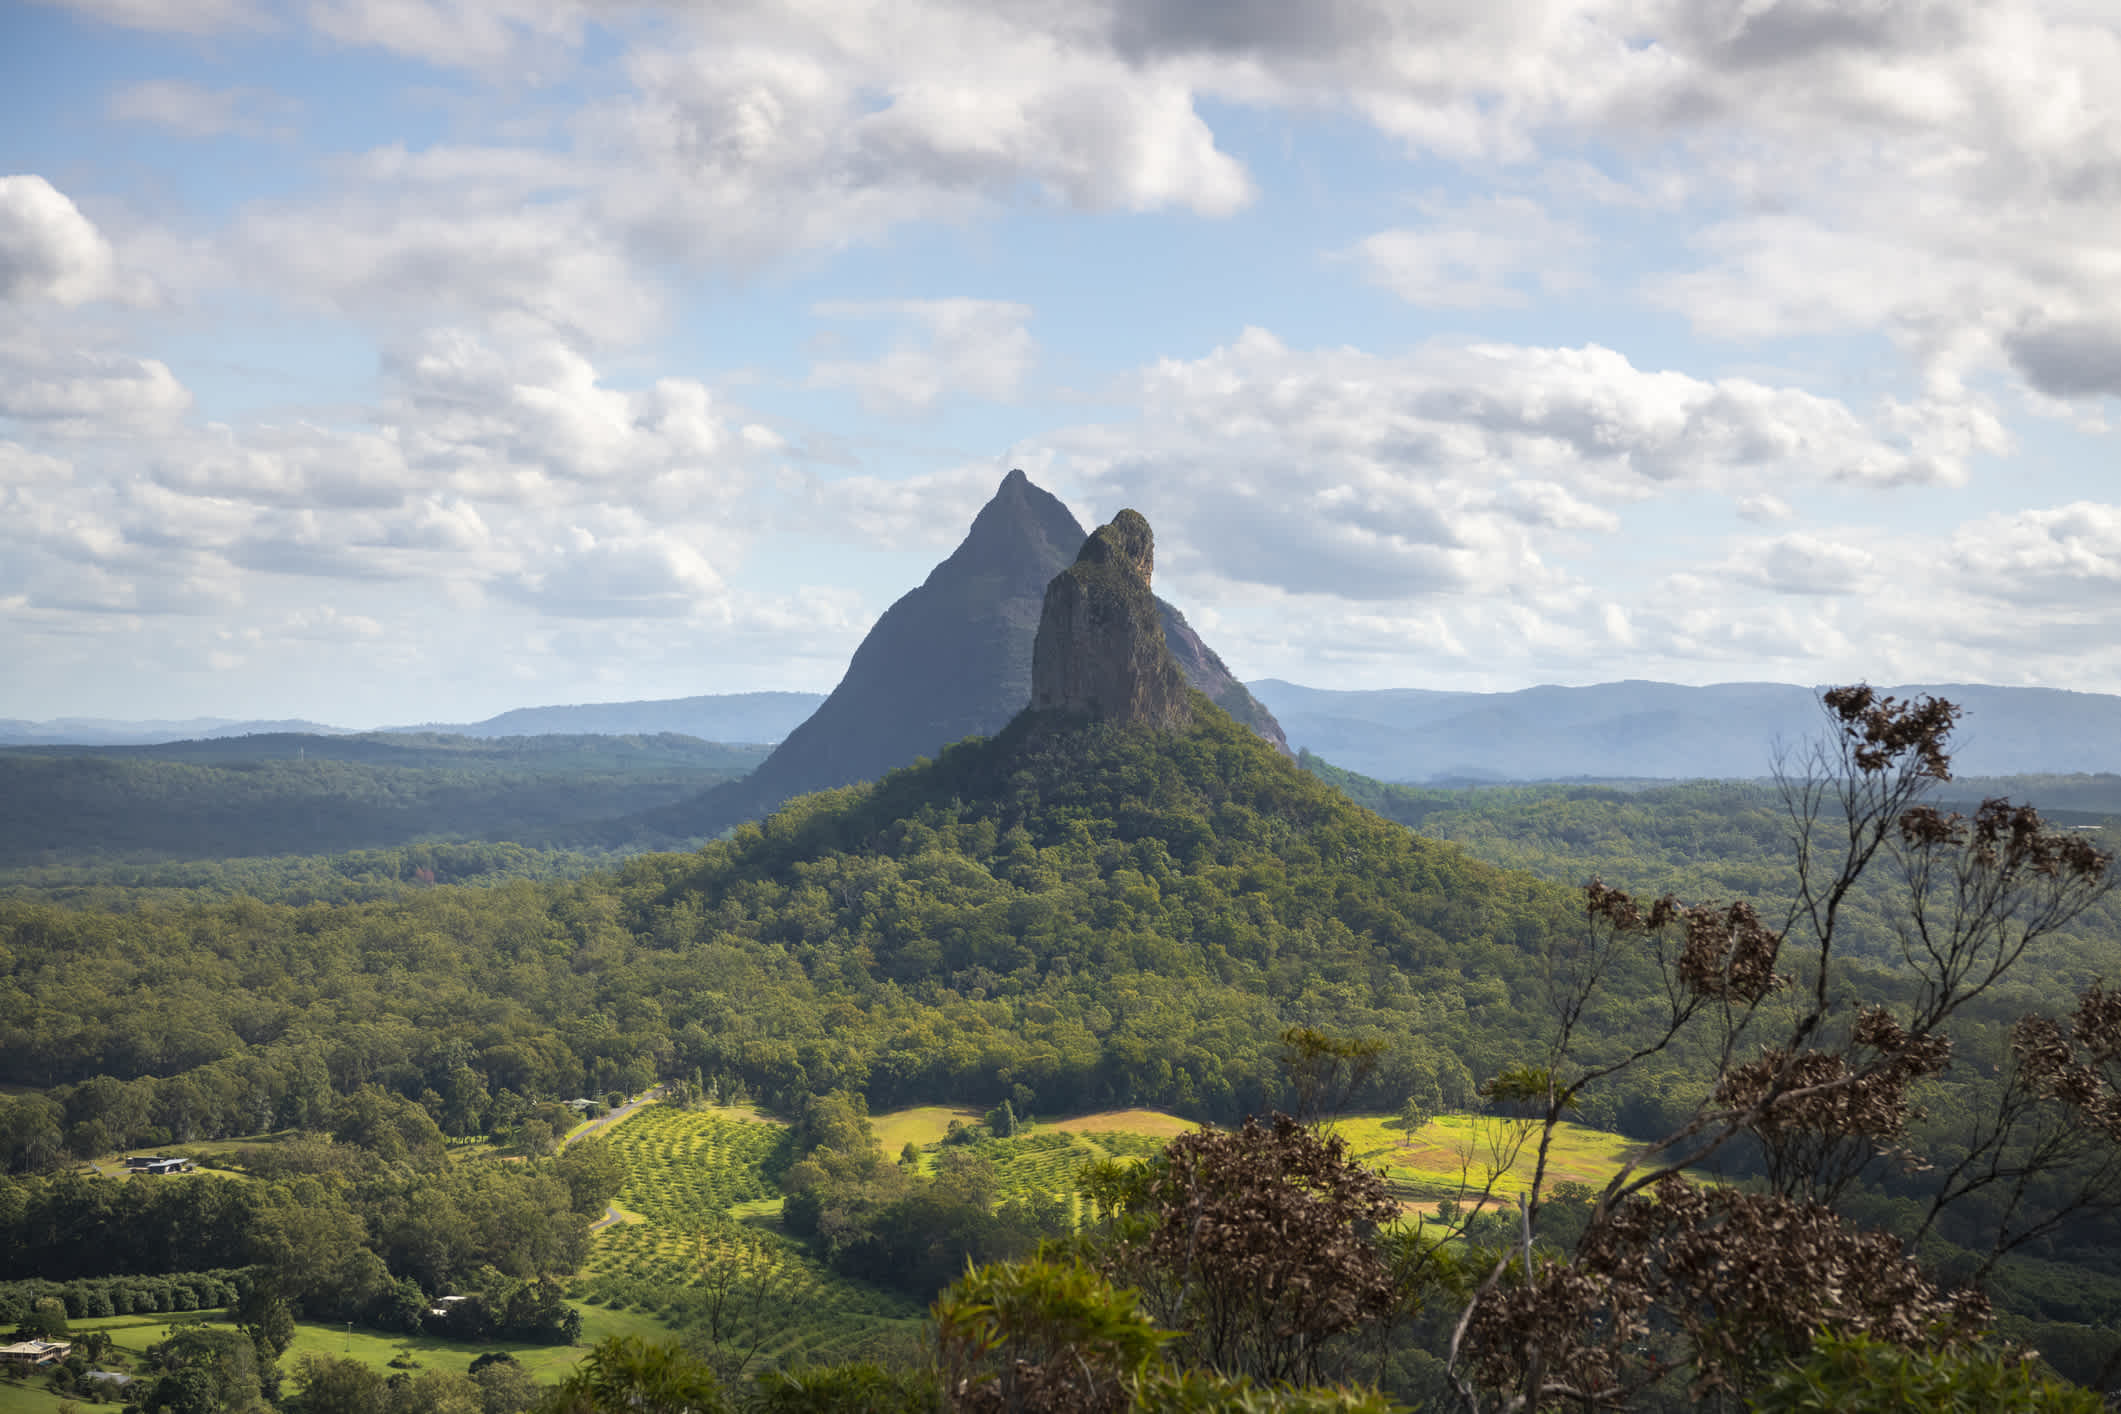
{"points": [[172, 16], [191, 110], [975, 347], [482, 250], [478, 34], [2065, 555], [19, 466], [86, 393], [929, 510], [1473, 254], [648, 574], [1805, 564], [48, 249]]}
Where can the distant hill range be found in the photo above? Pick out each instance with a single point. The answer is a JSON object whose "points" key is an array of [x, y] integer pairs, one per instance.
{"points": [[762, 717], [950, 659], [1663, 731], [104, 731]]}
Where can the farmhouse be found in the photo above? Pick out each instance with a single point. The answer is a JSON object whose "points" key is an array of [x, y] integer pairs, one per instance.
{"points": [[34, 1354], [159, 1165]]}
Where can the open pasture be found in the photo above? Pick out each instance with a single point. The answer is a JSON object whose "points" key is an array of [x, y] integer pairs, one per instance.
{"points": [[1453, 1155], [1152, 1124], [920, 1127]]}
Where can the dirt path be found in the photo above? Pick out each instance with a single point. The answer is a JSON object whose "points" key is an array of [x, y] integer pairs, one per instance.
{"points": [[598, 1126]]}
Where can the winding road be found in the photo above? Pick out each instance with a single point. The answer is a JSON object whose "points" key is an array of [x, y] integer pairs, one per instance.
{"points": [[598, 1126]]}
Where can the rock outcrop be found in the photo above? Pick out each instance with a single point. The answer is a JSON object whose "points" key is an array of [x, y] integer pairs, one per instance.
{"points": [[1100, 650]]}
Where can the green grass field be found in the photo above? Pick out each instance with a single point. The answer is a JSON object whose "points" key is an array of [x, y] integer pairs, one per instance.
{"points": [[1452, 1154], [131, 1335], [919, 1127]]}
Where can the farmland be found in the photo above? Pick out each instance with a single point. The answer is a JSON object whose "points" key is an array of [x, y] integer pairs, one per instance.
{"points": [[709, 1233], [700, 1183]]}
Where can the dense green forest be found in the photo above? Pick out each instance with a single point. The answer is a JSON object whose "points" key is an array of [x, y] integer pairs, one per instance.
{"points": [[284, 794]]}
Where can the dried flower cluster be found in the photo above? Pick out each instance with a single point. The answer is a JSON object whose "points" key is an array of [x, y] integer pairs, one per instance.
{"points": [[1743, 1277], [2068, 1068], [1878, 731], [2007, 839], [1825, 1092], [1728, 953], [1266, 1230]]}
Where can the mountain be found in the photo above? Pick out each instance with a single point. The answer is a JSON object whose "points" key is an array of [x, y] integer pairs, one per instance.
{"points": [[725, 717], [950, 659], [1663, 730]]}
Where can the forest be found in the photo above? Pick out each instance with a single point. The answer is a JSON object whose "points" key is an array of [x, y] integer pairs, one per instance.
{"points": [[288, 794], [1059, 919]]}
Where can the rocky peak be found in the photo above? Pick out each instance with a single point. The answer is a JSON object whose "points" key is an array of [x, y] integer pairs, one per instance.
{"points": [[1100, 650]]}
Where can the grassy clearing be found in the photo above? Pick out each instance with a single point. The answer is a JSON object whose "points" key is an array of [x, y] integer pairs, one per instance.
{"points": [[31, 1398], [1453, 1153], [918, 1127], [1154, 1124], [133, 1334]]}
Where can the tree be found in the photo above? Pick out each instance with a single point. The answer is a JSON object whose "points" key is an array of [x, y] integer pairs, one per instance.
{"points": [[1044, 1336], [592, 1171], [46, 1320], [1811, 1079], [1256, 1245], [627, 1375]]}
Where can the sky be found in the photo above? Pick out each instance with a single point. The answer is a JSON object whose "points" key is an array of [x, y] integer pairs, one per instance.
{"points": [[378, 361]]}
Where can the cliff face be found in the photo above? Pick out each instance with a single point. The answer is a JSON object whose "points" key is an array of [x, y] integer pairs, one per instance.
{"points": [[1100, 650]]}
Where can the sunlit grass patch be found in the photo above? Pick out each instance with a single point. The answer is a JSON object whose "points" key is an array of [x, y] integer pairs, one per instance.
{"points": [[1454, 1153], [919, 1127], [1153, 1123]]}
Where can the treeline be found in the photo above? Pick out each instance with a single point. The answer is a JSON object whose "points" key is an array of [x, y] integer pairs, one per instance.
{"points": [[356, 876], [86, 1298], [254, 796]]}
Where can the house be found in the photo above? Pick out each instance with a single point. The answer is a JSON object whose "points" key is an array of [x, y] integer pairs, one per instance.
{"points": [[34, 1354], [161, 1166], [141, 1161], [445, 1304]]}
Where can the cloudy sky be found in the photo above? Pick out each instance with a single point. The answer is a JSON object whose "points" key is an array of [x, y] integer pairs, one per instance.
{"points": [[389, 360]]}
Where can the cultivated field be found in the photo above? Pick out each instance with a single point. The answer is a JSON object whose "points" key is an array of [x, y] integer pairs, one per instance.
{"points": [[709, 1230]]}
